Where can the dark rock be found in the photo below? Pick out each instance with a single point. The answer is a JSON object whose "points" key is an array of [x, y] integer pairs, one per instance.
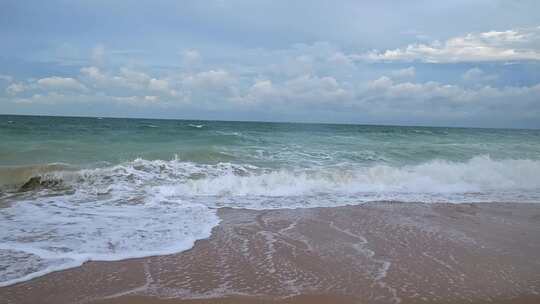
{"points": [[32, 184], [36, 182], [49, 183]]}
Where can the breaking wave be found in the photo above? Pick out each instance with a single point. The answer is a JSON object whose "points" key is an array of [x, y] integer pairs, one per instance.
{"points": [[143, 208], [479, 175]]}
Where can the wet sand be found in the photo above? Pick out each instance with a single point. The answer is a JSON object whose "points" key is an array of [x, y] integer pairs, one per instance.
{"points": [[373, 253]]}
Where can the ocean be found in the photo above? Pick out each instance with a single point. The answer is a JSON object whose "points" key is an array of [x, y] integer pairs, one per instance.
{"points": [[77, 189]]}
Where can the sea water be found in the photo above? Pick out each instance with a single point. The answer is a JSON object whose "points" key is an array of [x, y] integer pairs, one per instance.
{"points": [[111, 189]]}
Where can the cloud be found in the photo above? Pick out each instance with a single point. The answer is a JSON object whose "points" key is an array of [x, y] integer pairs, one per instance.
{"points": [[380, 83], [510, 45], [138, 101], [385, 88], [158, 85], [452, 99], [46, 84], [213, 79], [317, 82], [312, 88], [132, 79], [60, 83], [305, 89], [6, 78], [126, 79], [191, 57], [476, 75], [381, 99], [93, 73], [16, 88], [269, 64], [260, 91], [98, 54], [340, 59], [133, 86], [48, 99], [406, 73]]}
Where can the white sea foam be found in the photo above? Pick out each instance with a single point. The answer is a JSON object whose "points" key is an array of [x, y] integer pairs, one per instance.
{"points": [[479, 179], [49, 234], [143, 208]]}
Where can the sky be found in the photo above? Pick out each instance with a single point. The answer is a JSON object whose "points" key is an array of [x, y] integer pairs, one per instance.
{"points": [[418, 62]]}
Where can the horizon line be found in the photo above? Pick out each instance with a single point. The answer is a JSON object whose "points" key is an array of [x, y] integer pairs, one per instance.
{"points": [[275, 122]]}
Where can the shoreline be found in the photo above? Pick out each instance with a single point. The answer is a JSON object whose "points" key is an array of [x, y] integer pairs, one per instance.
{"points": [[383, 252]]}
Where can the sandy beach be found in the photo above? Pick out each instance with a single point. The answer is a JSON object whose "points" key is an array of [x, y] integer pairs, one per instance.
{"points": [[380, 252]]}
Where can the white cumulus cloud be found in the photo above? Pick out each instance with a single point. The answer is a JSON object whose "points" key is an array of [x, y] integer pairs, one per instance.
{"points": [[478, 75], [16, 88], [511, 45], [305, 89], [209, 79], [191, 57], [409, 72], [60, 83]]}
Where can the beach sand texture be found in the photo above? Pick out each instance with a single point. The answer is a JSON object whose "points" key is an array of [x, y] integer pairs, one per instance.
{"points": [[380, 252]]}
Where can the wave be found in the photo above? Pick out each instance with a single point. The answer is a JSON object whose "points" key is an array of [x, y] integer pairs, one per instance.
{"points": [[17, 175], [143, 208], [479, 175], [149, 126], [478, 179]]}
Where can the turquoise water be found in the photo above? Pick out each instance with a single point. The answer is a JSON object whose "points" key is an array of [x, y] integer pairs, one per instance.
{"points": [[88, 142], [152, 186]]}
